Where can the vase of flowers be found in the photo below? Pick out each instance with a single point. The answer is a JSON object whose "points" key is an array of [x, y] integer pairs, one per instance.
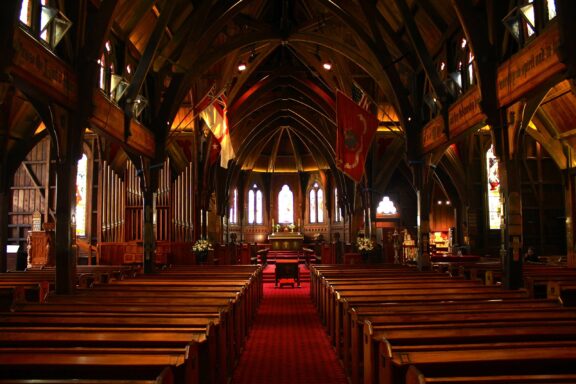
{"points": [[291, 227], [365, 246], [201, 248]]}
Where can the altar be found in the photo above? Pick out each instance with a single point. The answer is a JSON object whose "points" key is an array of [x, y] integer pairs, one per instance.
{"points": [[286, 241]]}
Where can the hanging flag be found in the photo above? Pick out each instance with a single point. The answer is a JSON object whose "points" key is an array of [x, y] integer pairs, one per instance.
{"points": [[215, 118], [355, 131], [214, 150]]}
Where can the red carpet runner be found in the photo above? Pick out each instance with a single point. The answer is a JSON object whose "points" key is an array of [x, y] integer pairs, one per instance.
{"points": [[287, 342]]}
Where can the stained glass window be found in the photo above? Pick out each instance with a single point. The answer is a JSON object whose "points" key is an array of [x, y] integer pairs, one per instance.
{"points": [[285, 205], [81, 195], [337, 209], [316, 204], [234, 207], [254, 205], [494, 202]]}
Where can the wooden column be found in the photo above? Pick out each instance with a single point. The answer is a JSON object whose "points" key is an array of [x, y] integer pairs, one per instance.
{"points": [[423, 184], [8, 21], [570, 196], [511, 191], [148, 237], [4, 189], [64, 240], [148, 185]]}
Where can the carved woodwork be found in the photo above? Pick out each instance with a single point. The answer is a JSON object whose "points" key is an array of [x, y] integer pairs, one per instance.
{"points": [[41, 249]]}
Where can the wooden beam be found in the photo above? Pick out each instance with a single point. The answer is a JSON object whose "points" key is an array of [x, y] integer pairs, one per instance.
{"points": [[272, 160], [8, 23], [35, 180], [423, 54], [566, 15], [297, 156], [478, 37], [147, 59]]}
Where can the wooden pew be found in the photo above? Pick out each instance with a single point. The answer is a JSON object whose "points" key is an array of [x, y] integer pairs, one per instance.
{"points": [[193, 343], [77, 365], [383, 338], [354, 327], [414, 376], [498, 360]]}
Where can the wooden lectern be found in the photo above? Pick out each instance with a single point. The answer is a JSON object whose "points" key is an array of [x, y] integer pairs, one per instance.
{"points": [[41, 249]]}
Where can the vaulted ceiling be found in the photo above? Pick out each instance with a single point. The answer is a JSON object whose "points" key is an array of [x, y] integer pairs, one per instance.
{"points": [[281, 108]]}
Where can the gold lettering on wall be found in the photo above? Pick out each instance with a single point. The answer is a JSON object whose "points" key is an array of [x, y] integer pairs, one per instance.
{"points": [[537, 63], [433, 134]]}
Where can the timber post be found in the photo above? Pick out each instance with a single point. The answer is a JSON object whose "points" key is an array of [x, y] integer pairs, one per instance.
{"points": [[423, 189], [511, 192]]}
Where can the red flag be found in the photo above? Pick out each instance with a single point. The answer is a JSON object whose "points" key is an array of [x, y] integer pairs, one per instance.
{"points": [[214, 151], [356, 128]]}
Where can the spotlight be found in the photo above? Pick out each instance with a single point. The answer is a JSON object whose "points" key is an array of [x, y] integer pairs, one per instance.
{"points": [[241, 67], [327, 65]]}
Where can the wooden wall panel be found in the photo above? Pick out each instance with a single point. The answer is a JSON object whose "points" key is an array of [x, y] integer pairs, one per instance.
{"points": [[32, 189]]}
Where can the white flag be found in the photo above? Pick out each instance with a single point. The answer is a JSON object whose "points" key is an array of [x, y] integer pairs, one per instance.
{"points": [[215, 118]]}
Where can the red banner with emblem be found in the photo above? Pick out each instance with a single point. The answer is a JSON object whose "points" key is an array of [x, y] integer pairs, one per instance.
{"points": [[356, 128]]}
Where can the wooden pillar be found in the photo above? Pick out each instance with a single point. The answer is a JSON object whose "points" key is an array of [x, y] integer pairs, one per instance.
{"points": [[148, 237], [8, 22], [423, 196], [511, 192], [5, 96], [65, 237], [4, 203], [570, 196], [148, 185]]}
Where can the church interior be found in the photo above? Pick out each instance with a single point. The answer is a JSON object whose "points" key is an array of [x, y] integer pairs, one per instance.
{"points": [[304, 191]]}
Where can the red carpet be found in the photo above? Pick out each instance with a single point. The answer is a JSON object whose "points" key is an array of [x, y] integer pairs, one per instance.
{"points": [[287, 342]]}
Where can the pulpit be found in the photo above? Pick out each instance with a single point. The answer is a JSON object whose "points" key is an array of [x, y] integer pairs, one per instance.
{"points": [[41, 250], [286, 241]]}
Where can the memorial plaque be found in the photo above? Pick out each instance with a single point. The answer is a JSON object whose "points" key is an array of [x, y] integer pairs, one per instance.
{"points": [[36, 221]]}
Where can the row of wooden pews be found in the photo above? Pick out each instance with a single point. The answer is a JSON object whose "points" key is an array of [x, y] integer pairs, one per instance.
{"points": [[540, 280], [185, 324], [34, 285], [394, 324]]}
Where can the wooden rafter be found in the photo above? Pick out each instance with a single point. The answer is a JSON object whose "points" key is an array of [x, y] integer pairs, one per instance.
{"points": [[423, 54]]}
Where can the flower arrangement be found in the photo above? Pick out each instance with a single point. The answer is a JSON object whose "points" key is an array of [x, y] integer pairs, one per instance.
{"points": [[364, 244], [202, 245], [291, 227]]}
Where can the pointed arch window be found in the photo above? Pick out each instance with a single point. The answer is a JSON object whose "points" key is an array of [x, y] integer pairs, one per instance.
{"points": [[337, 208], [81, 196], [493, 187], [234, 207], [316, 204], [254, 205], [285, 205]]}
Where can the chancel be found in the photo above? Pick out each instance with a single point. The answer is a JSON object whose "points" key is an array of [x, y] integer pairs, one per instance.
{"points": [[303, 191]]}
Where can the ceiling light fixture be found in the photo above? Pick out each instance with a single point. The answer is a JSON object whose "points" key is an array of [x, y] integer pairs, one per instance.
{"points": [[327, 65], [242, 67]]}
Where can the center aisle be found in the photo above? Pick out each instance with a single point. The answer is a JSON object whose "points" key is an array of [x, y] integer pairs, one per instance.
{"points": [[287, 342]]}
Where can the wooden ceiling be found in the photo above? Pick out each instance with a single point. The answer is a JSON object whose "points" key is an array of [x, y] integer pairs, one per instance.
{"points": [[281, 108]]}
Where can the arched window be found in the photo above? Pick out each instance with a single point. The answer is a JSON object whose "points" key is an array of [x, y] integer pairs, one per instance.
{"points": [[316, 204], [493, 178], [234, 207], [337, 209], [81, 196], [285, 205], [254, 205]]}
